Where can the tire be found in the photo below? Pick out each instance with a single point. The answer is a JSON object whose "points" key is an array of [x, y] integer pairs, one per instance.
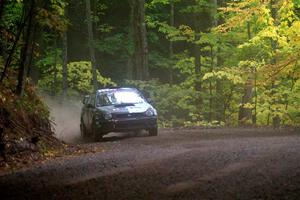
{"points": [[83, 131], [136, 133], [153, 132], [97, 135]]}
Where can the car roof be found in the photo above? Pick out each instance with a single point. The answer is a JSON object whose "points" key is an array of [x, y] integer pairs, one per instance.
{"points": [[115, 89]]}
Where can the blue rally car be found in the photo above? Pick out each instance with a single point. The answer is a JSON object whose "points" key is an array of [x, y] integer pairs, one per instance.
{"points": [[117, 110]]}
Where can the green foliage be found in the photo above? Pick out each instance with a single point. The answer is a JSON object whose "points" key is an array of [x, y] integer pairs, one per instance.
{"points": [[270, 53], [227, 75], [175, 103], [52, 17], [79, 78], [111, 44], [200, 67], [12, 14]]}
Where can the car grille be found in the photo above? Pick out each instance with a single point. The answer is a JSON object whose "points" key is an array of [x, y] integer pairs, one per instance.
{"points": [[128, 115], [135, 124]]}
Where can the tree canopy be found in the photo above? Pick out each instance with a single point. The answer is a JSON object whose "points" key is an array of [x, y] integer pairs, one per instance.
{"points": [[203, 62]]}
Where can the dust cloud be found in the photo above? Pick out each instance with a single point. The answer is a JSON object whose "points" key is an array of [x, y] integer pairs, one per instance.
{"points": [[66, 115]]}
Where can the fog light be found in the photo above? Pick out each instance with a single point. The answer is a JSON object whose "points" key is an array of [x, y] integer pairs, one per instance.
{"points": [[107, 116]]}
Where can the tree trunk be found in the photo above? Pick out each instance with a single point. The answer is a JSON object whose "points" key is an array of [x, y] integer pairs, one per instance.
{"points": [[26, 50], [197, 56], [130, 61], [140, 40], [65, 65], [65, 61], [55, 69], [210, 114], [33, 72], [274, 44], [196, 53], [245, 114], [286, 98], [24, 19], [212, 100], [219, 100], [254, 117], [90, 43], [171, 49], [2, 2]]}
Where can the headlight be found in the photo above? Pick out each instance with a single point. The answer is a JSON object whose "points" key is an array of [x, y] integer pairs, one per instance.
{"points": [[107, 116], [150, 112]]}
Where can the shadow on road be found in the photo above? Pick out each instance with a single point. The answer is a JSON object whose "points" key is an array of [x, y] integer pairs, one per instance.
{"points": [[112, 137]]}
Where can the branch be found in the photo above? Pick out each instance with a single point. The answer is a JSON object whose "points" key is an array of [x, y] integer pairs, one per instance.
{"points": [[282, 67], [10, 56]]}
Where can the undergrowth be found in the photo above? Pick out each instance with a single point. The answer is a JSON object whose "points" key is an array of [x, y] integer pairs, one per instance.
{"points": [[26, 131]]}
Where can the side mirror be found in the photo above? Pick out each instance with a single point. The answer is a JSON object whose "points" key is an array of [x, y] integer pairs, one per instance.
{"points": [[85, 99]]}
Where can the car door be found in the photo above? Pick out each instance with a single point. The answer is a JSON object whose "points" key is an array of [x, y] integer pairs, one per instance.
{"points": [[90, 111]]}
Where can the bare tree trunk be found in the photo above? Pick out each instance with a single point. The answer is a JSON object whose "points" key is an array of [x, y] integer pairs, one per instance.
{"points": [[130, 61], [144, 47], [140, 40], [197, 56], [210, 114], [212, 99], [33, 71], [226, 102], [219, 105], [254, 117], [198, 67], [65, 61], [55, 69], [90, 43], [171, 49], [25, 58], [274, 44], [245, 114], [65, 65], [197, 81], [196, 53]]}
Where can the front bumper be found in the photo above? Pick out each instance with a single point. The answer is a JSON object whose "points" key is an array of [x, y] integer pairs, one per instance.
{"points": [[128, 124]]}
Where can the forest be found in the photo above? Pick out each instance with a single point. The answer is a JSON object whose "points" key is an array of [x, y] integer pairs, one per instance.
{"points": [[202, 62]]}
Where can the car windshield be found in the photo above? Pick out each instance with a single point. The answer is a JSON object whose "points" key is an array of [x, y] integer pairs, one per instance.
{"points": [[119, 97]]}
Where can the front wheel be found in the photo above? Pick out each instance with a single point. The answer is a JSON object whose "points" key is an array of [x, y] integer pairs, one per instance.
{"points": [[153, 132], [96, 134]]}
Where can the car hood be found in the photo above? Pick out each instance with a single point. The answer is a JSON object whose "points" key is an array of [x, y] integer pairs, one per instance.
{"points": [[126, 108]]}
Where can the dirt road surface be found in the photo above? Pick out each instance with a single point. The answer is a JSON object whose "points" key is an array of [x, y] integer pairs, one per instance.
{"points": [[177, 164]]}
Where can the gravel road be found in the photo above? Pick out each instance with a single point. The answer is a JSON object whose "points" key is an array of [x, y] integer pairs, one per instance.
{"points": [[177, 164]]}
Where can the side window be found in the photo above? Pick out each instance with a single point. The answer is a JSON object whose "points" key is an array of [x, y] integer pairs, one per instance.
{"points": [[92, 100], [102, 99]]}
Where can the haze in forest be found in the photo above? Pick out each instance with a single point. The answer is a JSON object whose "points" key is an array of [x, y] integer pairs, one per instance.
{"points": [[66, 117]]}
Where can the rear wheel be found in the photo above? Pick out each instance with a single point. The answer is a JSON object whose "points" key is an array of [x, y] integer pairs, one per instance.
{"points": [[83, 131], [153, 132]]}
